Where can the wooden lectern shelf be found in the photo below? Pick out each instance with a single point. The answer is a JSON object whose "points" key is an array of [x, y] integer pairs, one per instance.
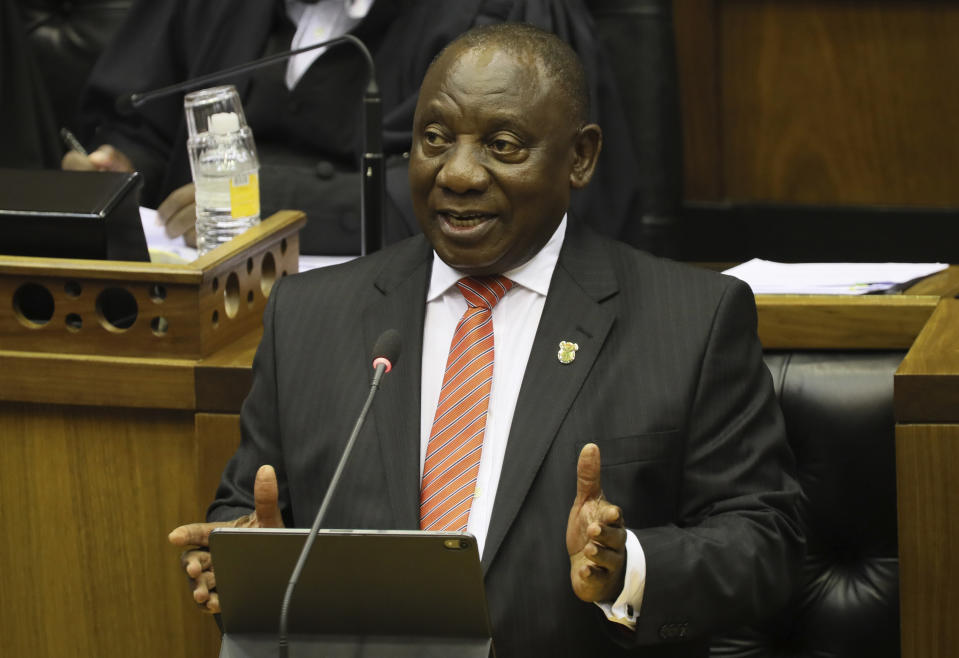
{"points": [[115, 308]]}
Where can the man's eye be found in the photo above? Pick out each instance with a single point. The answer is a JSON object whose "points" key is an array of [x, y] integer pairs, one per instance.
{"points": [[433, 138], [503, 146]]}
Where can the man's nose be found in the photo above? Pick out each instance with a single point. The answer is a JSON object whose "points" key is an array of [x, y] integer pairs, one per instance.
{"points": [[463, 170]]}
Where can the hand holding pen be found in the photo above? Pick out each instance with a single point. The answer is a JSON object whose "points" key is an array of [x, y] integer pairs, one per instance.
{"points": [[105, 158], [71, 142]]}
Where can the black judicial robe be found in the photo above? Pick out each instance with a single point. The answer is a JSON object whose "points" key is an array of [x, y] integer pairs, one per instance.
{"points": [[309, 139], [28, 130]]}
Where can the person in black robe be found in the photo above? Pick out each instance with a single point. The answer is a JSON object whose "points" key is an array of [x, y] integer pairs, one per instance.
{"points": [[309, 139]]}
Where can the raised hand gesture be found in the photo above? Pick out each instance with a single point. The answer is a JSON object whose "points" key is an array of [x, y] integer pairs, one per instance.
{"points": [[195, 537], [595, 536]]}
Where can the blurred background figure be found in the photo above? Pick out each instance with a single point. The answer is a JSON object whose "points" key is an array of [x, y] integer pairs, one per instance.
{"points": [[47, 50], [306, 114]]}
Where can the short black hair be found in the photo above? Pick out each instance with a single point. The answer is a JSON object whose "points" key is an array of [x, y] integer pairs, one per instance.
{"points": [[558, 60]]}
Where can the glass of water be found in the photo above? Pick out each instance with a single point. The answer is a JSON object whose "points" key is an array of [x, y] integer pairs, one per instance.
{"points": [[224, 164]]}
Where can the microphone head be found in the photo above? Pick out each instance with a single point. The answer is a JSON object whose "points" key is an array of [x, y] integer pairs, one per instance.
{"points": [[387, 349], [124, 105]]}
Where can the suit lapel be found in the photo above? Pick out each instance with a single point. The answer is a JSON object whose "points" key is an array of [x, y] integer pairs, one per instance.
{"points": [[402, 285], [582, 280]]}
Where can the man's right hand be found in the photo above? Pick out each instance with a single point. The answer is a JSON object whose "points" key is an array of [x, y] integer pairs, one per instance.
{"points": [[195, 537], [105, 158]]}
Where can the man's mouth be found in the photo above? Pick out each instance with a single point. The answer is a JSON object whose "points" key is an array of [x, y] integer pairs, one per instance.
{"points": [[464, 220]]}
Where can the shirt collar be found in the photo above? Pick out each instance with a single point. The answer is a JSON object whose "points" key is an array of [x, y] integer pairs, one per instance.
{"points": [[358, 8], [352, 8], [535, 274]]}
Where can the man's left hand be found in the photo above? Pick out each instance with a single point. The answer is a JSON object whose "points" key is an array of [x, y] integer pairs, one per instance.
{"points": [[595, 535]]}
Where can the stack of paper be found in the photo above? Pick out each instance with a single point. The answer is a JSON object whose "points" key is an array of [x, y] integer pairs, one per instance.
{"points": [[766, 277], [163, 249]]}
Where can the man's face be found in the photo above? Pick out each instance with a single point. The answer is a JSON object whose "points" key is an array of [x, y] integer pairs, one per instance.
{"points": [[493, 159]]}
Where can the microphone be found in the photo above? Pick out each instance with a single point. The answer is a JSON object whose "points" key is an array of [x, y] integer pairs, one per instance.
{"points": [[386, 352], [372, 178]]}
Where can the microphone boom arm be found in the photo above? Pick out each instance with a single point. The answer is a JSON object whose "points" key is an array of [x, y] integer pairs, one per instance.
{"points": [[138, 99]]}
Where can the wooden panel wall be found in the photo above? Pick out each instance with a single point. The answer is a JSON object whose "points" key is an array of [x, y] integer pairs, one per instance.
{"points": [[820, 102], [927, 457], [697, 50], [87, 497]]}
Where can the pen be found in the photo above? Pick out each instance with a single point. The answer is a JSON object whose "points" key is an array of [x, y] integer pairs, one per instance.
{"points": [[72, 142]]}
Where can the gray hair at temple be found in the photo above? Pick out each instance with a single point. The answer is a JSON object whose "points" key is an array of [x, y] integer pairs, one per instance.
{"points": [[557, 59]]}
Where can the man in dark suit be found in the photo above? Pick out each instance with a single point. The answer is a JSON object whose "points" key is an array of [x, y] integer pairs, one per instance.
{"points": [[650, 439]]}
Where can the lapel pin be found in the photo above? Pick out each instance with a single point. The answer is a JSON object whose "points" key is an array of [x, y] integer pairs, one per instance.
{"points": [[567, 352]]}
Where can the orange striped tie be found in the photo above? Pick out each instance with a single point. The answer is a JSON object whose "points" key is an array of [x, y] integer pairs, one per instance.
{"points": [[456, 440]]}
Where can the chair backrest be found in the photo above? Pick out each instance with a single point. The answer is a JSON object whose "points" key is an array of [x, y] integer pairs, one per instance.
{"points": [[838, 408]]}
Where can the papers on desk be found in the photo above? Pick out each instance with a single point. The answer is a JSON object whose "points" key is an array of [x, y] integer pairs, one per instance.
{"points": [[162, 248], [769, 278], [174, 250]]}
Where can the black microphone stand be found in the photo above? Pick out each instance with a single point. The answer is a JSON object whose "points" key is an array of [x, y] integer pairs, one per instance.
{"points": [[373, 174], [283, 634]]}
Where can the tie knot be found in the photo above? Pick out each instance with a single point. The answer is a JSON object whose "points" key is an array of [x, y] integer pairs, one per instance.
{"points": [[484, 291]]}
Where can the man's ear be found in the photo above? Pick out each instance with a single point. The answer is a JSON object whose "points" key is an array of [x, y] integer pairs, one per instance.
{"points": [[586, 147]]}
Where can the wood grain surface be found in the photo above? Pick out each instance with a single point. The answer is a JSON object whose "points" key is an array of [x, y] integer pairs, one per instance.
{"points": [[842, 322], [927, 459], [176, 311], [819, 101], [697, 63], [927, 381], [88, 496]]}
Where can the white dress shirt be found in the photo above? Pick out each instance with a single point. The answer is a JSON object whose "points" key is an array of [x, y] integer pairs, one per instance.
{"points": [[515, 320], [317, 22]]}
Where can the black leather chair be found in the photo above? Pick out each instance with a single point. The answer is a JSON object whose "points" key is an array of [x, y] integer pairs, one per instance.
{"points": [[838, 408]]}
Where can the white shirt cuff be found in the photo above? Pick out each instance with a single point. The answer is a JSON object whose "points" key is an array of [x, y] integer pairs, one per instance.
{"points": [[625, 609]]}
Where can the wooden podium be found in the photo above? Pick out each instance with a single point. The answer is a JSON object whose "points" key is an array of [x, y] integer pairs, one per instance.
{"points": [[119, 398]]}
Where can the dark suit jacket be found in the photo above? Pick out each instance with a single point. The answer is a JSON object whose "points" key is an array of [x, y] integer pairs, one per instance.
{"points": [[668, 380]]}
